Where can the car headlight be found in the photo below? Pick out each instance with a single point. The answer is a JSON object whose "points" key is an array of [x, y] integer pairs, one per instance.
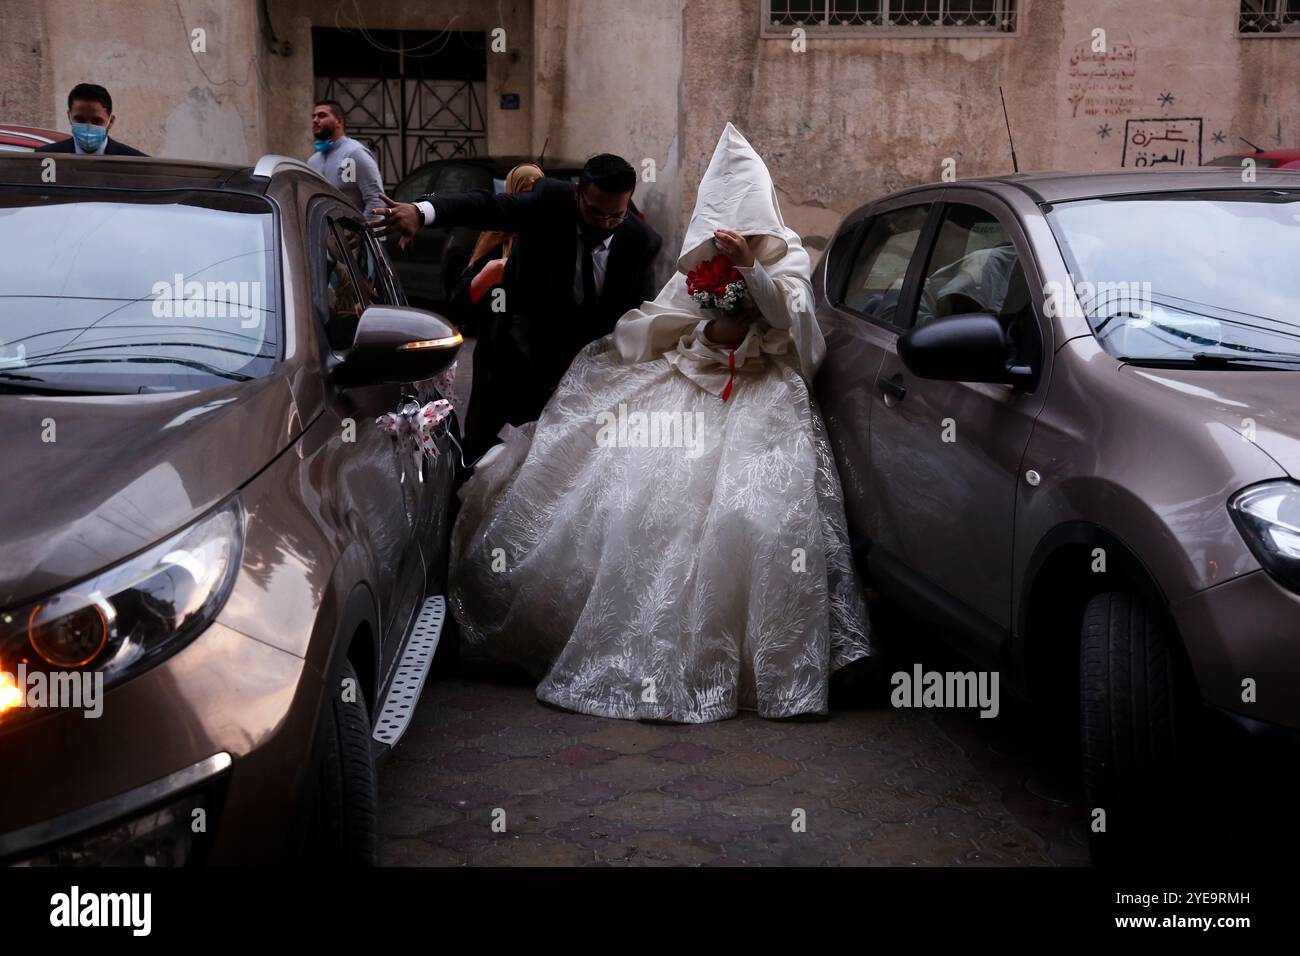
{"points": [[124, 618], [1268, 517]]}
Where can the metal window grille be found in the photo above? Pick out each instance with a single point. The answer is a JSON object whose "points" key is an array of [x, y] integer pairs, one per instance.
{"points": [[892, 17], [1269, 18]]}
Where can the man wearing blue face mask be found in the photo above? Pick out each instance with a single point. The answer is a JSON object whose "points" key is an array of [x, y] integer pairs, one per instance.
{"points": [[342, 160], [90, 111]]}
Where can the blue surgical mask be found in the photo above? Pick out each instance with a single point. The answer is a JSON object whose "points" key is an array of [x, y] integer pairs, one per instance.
{"points": [[89, 136], [322, 144]]}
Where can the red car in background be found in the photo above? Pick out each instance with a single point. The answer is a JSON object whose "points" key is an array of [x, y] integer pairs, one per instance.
{"points": [[1264, 159], [24, 139]]}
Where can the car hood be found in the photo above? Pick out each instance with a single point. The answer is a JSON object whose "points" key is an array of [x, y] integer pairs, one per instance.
{"points": [[1264, 402], [93, 479]]}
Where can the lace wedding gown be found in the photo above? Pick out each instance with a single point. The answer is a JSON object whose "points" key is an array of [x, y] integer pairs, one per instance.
{"points": [[649, 550]]}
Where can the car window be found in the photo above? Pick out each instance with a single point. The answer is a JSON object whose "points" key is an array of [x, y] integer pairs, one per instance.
{"points": [[1168, 275], [344, 302], [362, 249], [129, 291], [876, 282], [974, 267], [454, 178], [414, 186]]}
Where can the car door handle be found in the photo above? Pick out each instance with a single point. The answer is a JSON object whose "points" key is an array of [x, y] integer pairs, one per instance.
{"points": [[893, 388]]}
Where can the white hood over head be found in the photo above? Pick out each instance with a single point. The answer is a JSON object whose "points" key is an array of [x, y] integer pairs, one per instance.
{"points": [[736, 193]]}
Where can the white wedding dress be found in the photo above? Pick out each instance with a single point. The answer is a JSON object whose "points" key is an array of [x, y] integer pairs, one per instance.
{"points": [[649, 550]]}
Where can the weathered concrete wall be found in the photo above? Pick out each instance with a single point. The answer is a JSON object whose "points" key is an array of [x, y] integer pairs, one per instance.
{"points": [[239, 99], [25, 72], [293, 80], [841, 121], [169, 99], [609, 80], [848, 119]]}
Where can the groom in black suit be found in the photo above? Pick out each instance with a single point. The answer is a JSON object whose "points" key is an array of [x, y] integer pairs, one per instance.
{"points": [[580, 259]]}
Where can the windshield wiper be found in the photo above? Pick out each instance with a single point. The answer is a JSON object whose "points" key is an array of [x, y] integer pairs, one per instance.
{"points": [[1218, 358], [32, 385], [1264, 360], [147, 360]]}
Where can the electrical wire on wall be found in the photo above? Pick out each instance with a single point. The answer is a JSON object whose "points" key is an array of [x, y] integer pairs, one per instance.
{"points": [[254, 61], [444, 35]]}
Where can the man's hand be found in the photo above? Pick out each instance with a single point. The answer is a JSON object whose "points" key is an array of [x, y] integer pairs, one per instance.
{"points": [[734, 246], [396, 219]]}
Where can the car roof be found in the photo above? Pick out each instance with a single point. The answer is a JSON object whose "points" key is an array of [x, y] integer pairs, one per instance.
{"points": [[1281, 155], [31, 136], [503, 164], [144, 172], [1052, 187]]}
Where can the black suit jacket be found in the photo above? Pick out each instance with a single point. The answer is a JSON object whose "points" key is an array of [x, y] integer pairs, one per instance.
{"points": [[539, 277], [114, 148]]}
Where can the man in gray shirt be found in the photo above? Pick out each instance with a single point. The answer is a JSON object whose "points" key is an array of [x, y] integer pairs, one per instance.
{"points": [[344, 162]]}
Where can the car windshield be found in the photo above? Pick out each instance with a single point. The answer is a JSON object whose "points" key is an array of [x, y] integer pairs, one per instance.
{"points": [[123, 292], [1187, 276]]}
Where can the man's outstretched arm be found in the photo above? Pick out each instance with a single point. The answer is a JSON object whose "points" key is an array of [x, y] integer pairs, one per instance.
{"points": [[508, 212]]}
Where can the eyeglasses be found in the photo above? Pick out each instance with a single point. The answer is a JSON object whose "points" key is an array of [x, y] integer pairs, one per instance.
{"points": [[599, 216]]}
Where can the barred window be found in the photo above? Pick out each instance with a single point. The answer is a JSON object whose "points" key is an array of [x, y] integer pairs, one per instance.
{"points": [[1269, 18], [891, 17]]}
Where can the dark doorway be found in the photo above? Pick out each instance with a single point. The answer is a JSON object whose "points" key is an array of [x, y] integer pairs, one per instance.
{"points": [[410, 95]]}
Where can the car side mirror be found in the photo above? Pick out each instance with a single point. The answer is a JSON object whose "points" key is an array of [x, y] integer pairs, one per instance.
{"points": [[394, 345], [963, 348]]}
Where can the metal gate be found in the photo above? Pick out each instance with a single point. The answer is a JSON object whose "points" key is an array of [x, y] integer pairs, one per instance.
{"points": [[407, 107]]}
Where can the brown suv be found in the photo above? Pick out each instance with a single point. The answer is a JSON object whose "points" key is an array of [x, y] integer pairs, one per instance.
{"points": [[1066, 412], [220, 579]]}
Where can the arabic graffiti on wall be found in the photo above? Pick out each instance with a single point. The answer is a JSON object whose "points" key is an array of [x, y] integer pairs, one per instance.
{"points": [[1174, 141], [1101, 84]]}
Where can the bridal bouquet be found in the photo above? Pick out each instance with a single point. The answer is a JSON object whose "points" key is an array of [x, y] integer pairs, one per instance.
{"points": [[717, 284]]}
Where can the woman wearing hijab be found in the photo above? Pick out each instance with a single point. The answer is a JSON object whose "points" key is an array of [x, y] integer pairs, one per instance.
{"points": [[668, 541], [487, 262]]}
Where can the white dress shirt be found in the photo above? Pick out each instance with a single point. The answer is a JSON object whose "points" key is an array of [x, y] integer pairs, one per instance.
{"points": [[599, 259], [599, 255]]}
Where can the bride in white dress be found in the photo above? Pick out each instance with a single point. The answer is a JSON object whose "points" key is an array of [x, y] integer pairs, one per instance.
{"points": [[668, 541]]}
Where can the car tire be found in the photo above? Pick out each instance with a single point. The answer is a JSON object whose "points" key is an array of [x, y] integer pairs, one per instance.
{"points": [[1132, 687], [345, 823]]}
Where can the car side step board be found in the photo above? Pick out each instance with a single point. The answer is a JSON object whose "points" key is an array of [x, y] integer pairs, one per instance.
{"points": [[412, 669]]}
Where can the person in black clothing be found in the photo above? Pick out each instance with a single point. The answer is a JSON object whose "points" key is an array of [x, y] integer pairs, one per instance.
{"points": [[470, 307], [90, 113], [580, 260]]}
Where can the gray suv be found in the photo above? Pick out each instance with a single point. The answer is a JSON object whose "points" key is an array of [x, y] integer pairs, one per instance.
{"points": [[1066, 412], [207, 536]]}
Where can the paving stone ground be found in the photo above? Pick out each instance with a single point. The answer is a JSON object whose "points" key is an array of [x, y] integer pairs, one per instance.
{"points": [[869, 786], [872, 785]]}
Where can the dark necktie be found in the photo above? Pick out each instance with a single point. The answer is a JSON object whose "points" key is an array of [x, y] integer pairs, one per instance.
{"points": [[589, 273]]}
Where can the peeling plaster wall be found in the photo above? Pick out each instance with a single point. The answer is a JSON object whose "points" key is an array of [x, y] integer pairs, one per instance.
{"points": [[239, 99], [843, 121], [25, 74], [609, 80], [852, 118], [169, 100], [292, 78]]}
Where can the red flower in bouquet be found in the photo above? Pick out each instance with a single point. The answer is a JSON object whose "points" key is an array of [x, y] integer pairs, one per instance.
{"points": [[712, 276], [717, 284]]}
